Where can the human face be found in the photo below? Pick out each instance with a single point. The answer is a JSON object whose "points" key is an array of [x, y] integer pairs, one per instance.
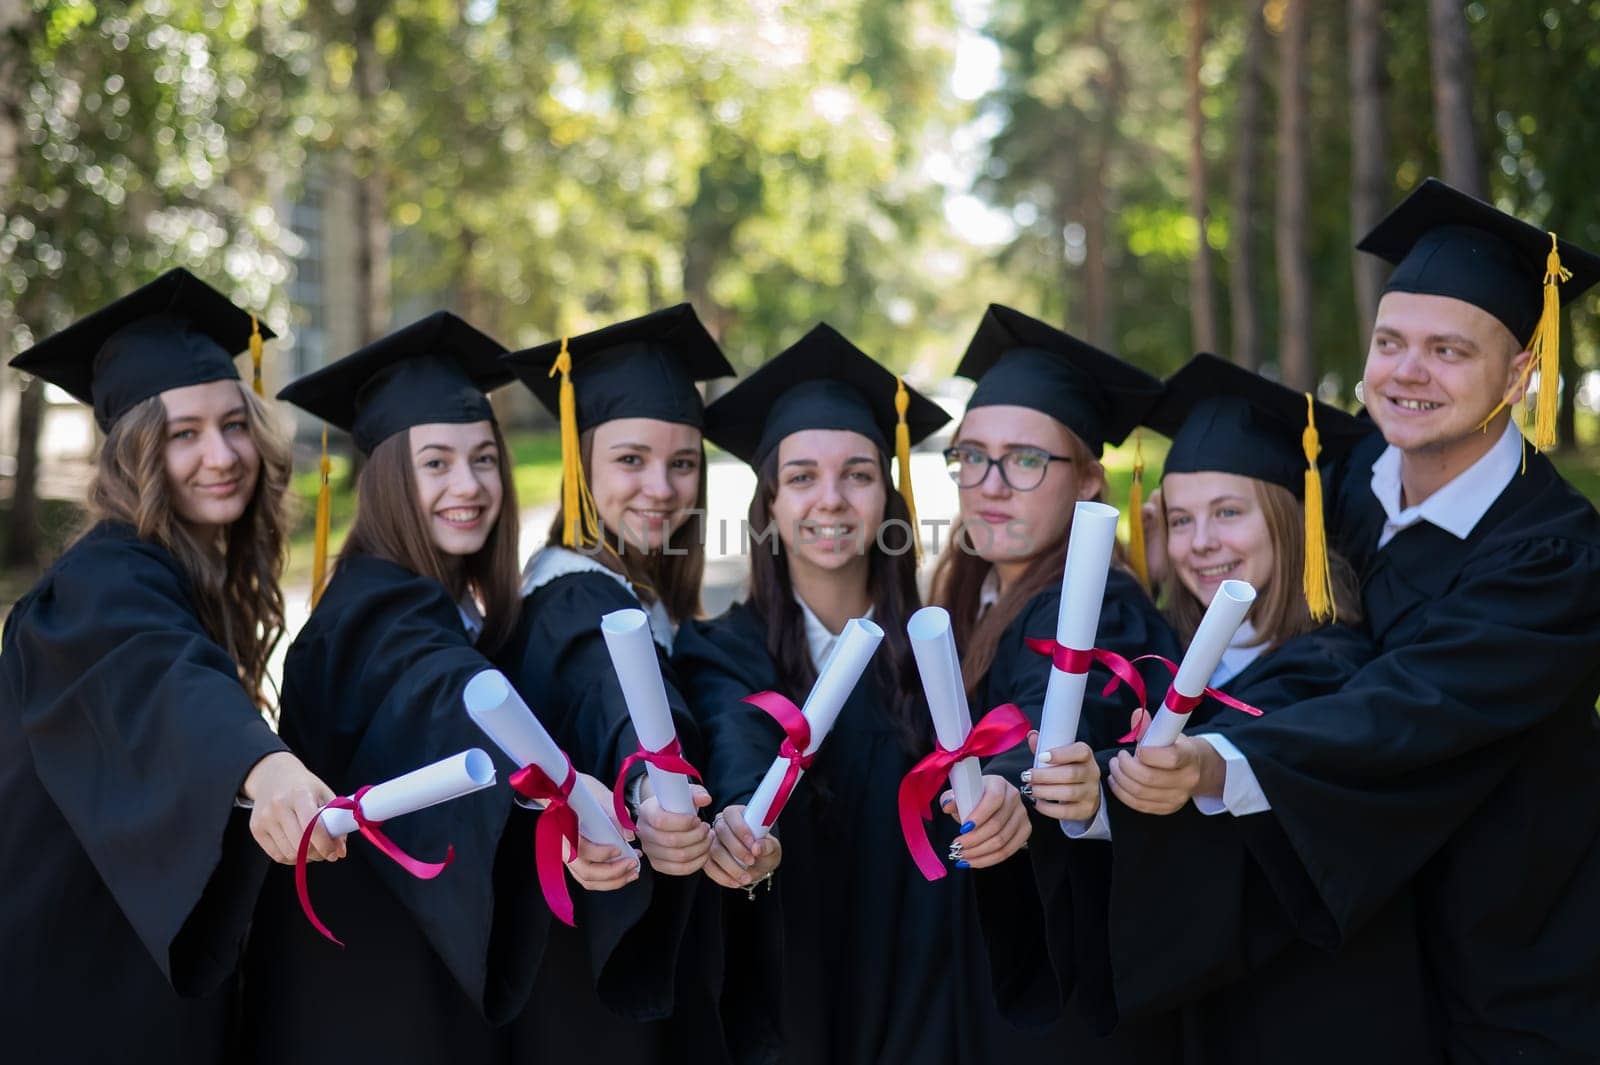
{"points": [[1008, 527], [830, 500], [211, 461], [1436, 368], [645, 478], [1216, 531], [457, 468]]}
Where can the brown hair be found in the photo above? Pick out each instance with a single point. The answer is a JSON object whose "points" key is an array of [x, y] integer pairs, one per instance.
{"points": [[389, 524], [1281, 613], [670, 576], [236, 592], [959, 576], [891, 584]]}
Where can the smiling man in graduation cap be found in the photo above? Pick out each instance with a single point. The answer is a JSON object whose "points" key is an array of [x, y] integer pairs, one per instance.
{"points": [[1463, 756]]}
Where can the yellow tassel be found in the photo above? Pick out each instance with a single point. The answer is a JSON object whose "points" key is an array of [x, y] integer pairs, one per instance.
{"points": [[1136, 549], [581, 523], [319, 550], [1317, 577], [255, 356], [902, 454], [1544, 352]]}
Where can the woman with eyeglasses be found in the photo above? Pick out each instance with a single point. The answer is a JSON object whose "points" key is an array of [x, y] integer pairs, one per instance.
{"points": [[1026, 452]]}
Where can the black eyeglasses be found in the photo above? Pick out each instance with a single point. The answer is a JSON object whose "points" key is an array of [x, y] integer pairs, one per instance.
{"points": [[1022, 469]]}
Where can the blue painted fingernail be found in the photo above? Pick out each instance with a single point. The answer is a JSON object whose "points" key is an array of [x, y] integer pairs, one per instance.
{"points": [[968, 827], [963, 864]]}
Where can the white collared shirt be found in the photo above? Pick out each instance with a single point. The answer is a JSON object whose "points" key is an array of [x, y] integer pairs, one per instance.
{"points": [[819, 640], [471, 618], [1243, 649], [1461, 503]]}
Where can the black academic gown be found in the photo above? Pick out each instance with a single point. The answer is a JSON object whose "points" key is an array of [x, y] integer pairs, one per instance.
{"points": [[606, 988], [1032, 925], [125, 736], [372, 689], [1196, 928], [1463, 757], [850, 957]]}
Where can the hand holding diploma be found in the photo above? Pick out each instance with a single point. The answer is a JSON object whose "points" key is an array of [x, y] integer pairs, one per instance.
{"points": [[547, 776], [998, 828], [806, 728], [633, 656], [740, 858], [1064, 784], [369, 807], [959, 744]]}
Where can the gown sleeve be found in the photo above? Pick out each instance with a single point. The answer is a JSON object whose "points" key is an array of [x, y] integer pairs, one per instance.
{"points": [[1369, 781], [372, 689], [142, 735], [557, 658]]}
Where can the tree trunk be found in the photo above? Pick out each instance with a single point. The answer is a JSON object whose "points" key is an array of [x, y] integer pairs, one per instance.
{"points": [[22, 539], [1296, 354], [1369, 181], [1099, 303], [1243, 266], [372, 208], [1451, 53], [1202, 298], [1571, 378]]}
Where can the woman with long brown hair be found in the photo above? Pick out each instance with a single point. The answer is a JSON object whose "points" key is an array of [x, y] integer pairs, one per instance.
{"points": [[1237, 957], [628, 535], [822, 958], [424, 591], [1026, 452], [132, 737]]}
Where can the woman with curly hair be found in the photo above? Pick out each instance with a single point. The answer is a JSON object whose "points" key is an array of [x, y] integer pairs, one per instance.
{"points": [[131, 734]]}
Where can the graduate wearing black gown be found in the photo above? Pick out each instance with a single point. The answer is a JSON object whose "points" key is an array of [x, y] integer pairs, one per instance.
{"points": [[1183, 922], [1022, 363], [847, 954], [1461, 759], [125, 737], [373, 689], [641, 945]]}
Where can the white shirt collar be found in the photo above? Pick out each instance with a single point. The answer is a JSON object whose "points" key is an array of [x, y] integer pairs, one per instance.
{"points": [[819, 641], [988, 591], [1243, 649], [1461, 503], [471, 618]]}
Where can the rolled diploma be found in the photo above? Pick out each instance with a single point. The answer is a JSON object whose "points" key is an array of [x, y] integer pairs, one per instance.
{"points": [[1222, 619], [835, 681], [448, 778], [496, 708], [1083, 588], [934, 647], [633, 656]]}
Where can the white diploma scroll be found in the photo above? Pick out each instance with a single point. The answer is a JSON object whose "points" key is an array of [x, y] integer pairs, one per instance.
{"points": [[934, 647], [633, 656], [1222, 619], [835, 681], [496, 708], [448, 778], [1083, 586]]}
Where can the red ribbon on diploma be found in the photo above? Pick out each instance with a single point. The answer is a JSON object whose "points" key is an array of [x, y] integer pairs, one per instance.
{"points": [[1179, 703], [368, 828], [797, 737], [557, 822], [1072, 660], [669, 758], [1000, 730]]}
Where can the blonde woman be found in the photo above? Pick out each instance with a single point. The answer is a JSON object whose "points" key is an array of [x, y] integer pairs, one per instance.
{"points": [[131, 734]]}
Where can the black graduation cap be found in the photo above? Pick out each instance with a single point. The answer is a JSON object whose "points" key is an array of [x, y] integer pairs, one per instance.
{"points": [[433, 370], [645, 367], [821, 381], [174, 332], [1223, 418], [1446, 243], [1021, 361]]}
